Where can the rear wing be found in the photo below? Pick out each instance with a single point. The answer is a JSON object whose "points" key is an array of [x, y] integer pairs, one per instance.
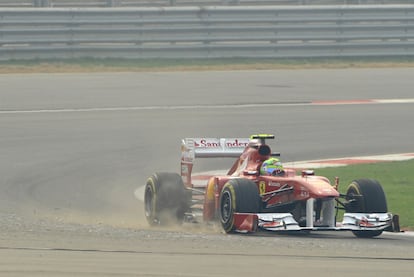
{"points": [[192, 148]]}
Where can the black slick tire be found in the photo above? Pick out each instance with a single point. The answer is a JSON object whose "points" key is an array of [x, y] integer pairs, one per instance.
{"points": [[237, 195], [366, 196], [165, 199]]}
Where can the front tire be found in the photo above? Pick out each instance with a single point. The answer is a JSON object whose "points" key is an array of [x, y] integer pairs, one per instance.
{"points": [[366, 196], [165, 199], [237, 196]]}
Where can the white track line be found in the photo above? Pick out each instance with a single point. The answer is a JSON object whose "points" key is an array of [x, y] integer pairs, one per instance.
{"points": [[120, 109], [394, 101], [350, 160], [225, 106]]}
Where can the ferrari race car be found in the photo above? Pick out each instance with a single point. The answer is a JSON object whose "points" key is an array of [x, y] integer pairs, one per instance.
{"points": [[243, 200]]}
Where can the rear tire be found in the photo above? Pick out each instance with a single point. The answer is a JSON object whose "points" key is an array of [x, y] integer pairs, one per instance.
{"points": [[237, 195], [366, 196], [165, 199]]}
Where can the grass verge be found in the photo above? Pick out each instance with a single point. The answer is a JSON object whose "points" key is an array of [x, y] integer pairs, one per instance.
{"points": [[396, 178]]}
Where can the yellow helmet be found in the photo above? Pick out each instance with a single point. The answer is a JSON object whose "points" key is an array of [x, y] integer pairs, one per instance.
{"points": [[271, 166]]}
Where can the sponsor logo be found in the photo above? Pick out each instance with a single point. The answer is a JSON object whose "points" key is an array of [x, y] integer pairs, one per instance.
{"points": [[274, 184], [237, 143], [303, 192], [262, 187], [207, 143], [216, 143]]}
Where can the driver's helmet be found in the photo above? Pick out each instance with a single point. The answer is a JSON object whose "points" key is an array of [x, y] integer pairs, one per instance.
{"points": [[272, 166]]}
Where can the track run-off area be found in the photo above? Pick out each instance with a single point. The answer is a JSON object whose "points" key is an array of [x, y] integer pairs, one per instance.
{"points": [[75, 147]]}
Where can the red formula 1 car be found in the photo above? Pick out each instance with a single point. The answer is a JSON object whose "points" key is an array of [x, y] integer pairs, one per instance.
{"points": [[243, 200]]}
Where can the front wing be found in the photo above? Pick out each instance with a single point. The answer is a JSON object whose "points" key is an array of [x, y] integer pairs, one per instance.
{"points": [[245, 222]]}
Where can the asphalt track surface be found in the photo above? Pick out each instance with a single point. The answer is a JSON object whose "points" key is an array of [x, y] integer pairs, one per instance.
{"points": [[74, 147]]}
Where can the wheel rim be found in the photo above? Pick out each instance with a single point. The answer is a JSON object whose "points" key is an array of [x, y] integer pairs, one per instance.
{"points": [[355, 205], [149, 201], [226, 207]]}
